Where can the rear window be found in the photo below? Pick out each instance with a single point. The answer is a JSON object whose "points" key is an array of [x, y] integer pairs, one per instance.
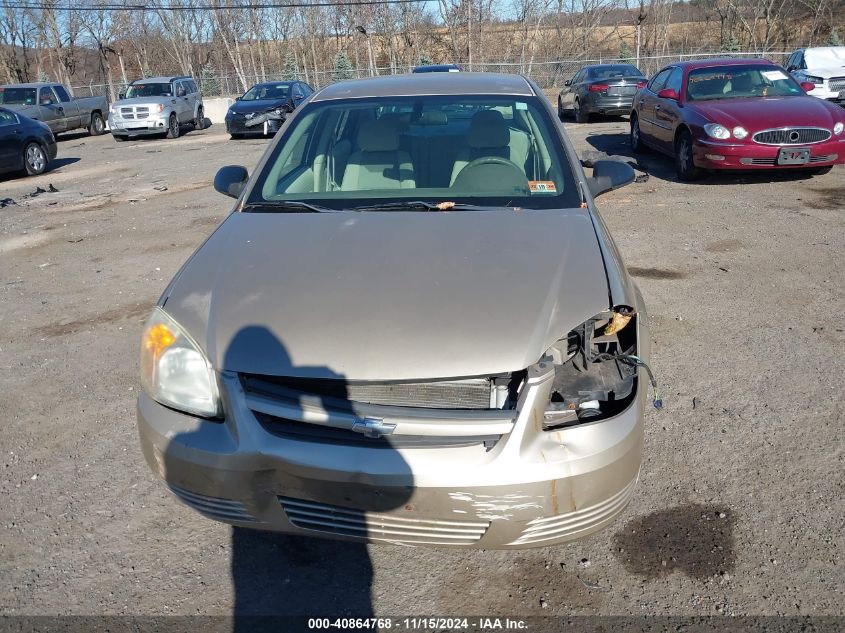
{"points": [[480, 150], [609, 72], [18, 96]]}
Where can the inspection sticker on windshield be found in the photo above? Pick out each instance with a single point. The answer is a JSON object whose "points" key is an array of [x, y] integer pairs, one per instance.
{"points": [[773, 75], [542, 186]]}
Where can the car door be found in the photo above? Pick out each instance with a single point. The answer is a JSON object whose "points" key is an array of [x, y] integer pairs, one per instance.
{"points": [[667, 112], [646, 102], [11, 137], [50, 110], [73, 117], [194, 97], [568, 96], [183, 101]]}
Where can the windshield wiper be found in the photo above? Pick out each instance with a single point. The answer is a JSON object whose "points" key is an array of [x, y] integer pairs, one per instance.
{"points": [[287, 206], [421, 205]]}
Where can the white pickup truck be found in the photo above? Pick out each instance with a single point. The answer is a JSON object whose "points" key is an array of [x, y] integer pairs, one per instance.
{"points": [[52, 104]]}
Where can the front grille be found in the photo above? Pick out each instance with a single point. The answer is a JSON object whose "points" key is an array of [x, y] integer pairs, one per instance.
{"points": [[449, 394], [792, 136], [217, 508], [324, 434], [837, 83], [824, 158], [127, 113], [330, 519]]}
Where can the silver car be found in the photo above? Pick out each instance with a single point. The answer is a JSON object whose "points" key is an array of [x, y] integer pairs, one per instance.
{"points": [[413, 328], [156, 106]]}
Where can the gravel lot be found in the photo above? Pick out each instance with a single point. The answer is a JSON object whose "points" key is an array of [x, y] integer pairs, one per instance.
{"points": [[739, 509]]}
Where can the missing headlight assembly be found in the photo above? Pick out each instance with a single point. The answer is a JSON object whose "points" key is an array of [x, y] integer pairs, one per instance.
{"points": [[596, 370]]}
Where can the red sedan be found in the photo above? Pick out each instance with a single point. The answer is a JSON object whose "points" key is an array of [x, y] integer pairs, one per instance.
{"points": [[736, 114]]}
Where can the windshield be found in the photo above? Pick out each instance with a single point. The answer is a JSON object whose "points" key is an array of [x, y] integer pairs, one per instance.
{"points": [[17, 96], [610, 72], [267, 91], [479, 150], [148, 90], [734, 82]]}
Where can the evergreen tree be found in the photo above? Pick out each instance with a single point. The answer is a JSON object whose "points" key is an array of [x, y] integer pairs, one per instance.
{"points": [[834, 39], [343, 68], [42, 76], [291, 70], [209, 82], [732, 45], [425, 60], [625, 53]]}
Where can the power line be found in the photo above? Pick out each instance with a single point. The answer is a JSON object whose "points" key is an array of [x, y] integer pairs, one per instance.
{"points": [[206, 7]]}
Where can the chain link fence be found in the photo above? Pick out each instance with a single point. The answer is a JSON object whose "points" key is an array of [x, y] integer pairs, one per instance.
{"points": [[549, 74]]}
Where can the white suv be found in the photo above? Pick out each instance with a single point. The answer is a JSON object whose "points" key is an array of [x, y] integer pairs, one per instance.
{"points": [[823, 66]]}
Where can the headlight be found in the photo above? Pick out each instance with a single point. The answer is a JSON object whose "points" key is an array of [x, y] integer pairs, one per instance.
{"points": [[174, 370], [813, 79], [740, 132], [714, 130], [837, 129], [277, 111], [595, 367], [161, 107]]}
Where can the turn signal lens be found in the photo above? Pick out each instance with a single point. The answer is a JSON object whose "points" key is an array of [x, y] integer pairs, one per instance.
{"points": [[161, 107]]}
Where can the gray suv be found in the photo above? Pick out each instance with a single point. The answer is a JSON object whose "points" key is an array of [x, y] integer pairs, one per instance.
{"points": [[156, 106]]}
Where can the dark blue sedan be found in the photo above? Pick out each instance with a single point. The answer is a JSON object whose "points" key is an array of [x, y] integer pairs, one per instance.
{"points": [[263, 108], [26, 145]]}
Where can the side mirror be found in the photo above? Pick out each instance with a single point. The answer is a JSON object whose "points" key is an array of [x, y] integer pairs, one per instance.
{"points": [[237, 98], [231, 180], [807, 86], [668, 93], [297, 97], [121, 95], [609, 175], [790, 69], [567, 82]]}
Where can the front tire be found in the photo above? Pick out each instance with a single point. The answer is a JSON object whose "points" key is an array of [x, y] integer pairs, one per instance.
{"points": [[34, 159], [560, 112], [236, 137], [636, 137], [172, 127], [821, 171], [684, 165], [199, 121], [97, 126], [581, 116]]}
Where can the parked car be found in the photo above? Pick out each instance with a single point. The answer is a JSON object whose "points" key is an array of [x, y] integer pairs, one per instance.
{"points": [[824, 67], [422, 332], [437, 68], [156, 106], [600, 89], [53, 104], [263, 108], [736, 114], [25, 144]]}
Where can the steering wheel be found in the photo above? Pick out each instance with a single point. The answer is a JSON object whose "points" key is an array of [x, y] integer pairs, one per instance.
{"points": [[500, 173]]}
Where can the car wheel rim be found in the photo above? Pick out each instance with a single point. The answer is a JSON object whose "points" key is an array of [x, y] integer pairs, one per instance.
{"points": [[35, 158], [174, 127], [635, 133], [98, 124], [684, 155]]}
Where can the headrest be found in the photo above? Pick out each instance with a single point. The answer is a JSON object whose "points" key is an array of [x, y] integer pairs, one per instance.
{"points": [[488, 129], [381, 135]]}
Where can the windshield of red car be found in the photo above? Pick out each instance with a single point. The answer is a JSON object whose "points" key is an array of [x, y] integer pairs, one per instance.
{"points": [[736, 82]]}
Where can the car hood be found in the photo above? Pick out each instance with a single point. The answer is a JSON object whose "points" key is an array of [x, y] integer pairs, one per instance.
{"points": [[257, 105], [826, 72], [761, 113], [389, 296]]}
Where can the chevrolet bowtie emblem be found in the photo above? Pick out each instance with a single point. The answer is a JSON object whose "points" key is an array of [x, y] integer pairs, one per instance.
{"points": [[373, 427]]}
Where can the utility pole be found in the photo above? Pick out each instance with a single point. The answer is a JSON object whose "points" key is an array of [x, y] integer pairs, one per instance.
{"points": [[372, 59]]}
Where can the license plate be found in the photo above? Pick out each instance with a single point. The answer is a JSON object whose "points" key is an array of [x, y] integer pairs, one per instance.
{"points": [[622, 90], [793, 156]]}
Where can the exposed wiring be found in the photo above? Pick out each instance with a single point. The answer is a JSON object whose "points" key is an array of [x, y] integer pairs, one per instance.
{"points": [[636, 361]]}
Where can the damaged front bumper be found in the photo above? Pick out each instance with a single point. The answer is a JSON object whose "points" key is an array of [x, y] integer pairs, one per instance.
{"points": [[522, 486]]}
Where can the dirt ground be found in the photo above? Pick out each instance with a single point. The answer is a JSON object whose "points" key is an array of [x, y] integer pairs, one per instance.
{"points": [[739, 508]]}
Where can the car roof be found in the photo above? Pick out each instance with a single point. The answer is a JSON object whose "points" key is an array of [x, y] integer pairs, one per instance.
{"points": [[419, 84], [158, 80], [277, 83], [610, 65], [436, 67], [723, 61], [32, 84]]}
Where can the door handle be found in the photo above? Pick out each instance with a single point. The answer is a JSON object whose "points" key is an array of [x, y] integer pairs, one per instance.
{"points": [[657, 107], [642, 101]]}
